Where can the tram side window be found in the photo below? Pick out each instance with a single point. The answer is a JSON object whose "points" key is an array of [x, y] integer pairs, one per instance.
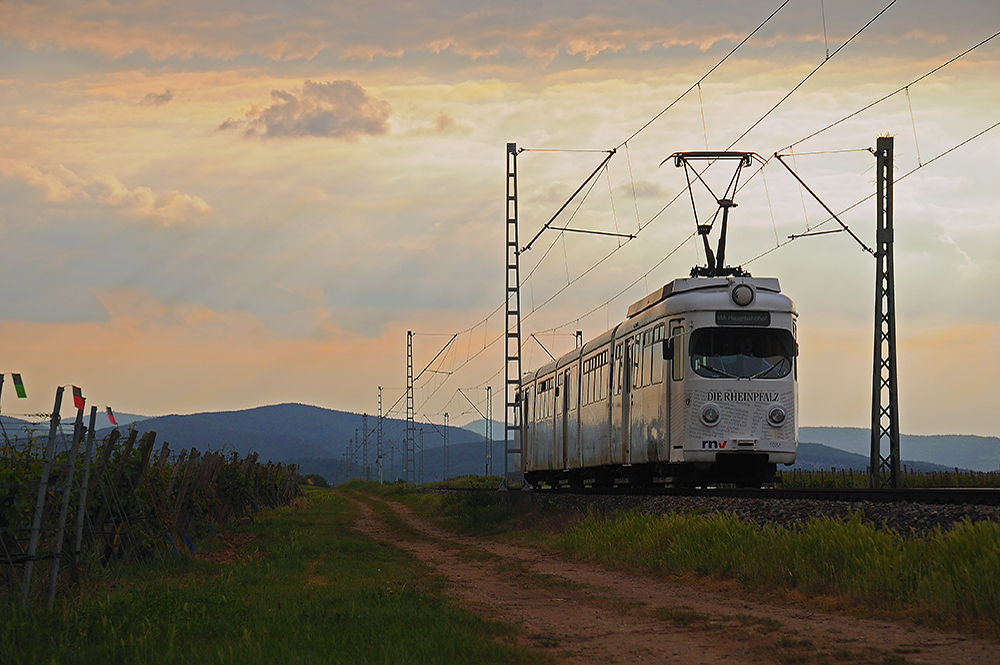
{"points": [[647, 357], [618, 368], [595, 381], [587, 393], [545, 404], [636, 343], [595, 378], [744, 353], [603, 377], [655, 358], [677, 335]]}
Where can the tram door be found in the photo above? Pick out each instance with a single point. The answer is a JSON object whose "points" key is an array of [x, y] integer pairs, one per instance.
{"points": [[559, 425], [618, 408], [627, 383], [567, 404], [675, 399]]}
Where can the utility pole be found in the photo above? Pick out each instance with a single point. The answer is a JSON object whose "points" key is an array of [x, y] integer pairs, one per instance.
{"points": [[489, 429], [409, 455], [444, 475], [884, 469], [513, 454], [378, 439], [364, 440]]}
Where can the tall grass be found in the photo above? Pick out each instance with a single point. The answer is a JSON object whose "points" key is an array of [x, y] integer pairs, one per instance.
{"points": [[948, 576], [908, 479], [307, 589]]}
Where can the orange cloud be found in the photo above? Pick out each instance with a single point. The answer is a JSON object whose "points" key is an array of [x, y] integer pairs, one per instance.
{"points": [[61, 185]]}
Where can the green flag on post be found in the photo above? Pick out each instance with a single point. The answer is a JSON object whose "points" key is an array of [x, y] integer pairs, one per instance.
{"points": [[19, 385]]}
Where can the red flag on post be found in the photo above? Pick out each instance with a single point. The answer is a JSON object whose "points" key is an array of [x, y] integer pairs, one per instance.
{"points": [[111, 417], [78, 400]]}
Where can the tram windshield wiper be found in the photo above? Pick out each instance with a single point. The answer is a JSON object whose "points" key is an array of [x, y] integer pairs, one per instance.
{"points": [[720, 372], [766, 371]]}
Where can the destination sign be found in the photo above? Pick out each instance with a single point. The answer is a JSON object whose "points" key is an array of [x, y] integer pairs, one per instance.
{"points": [[742, 318]]}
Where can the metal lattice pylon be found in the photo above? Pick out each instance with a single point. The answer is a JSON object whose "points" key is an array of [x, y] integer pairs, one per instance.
{"points": [[378, 440], [409, 457], [513, 457], [884, 468]]}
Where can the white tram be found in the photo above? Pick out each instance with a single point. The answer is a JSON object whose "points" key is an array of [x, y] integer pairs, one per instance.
{"points": [[697, 386]]}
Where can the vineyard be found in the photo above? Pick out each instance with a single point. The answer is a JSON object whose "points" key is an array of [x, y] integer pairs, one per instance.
{"points": [[74, 502]]}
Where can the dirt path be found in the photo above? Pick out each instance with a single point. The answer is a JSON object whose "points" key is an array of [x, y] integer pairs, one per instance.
{"points": [[583, 613]]}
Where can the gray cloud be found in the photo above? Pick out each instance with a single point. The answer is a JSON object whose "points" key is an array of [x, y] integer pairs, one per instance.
{"points": [[338, 109], [641, 189], [365, 30], [443, 125], [153, 99]]}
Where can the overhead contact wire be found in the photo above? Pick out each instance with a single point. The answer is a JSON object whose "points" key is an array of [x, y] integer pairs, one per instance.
{"points": [[893, 93], [872, 195], [707, 74], [810, 74]]}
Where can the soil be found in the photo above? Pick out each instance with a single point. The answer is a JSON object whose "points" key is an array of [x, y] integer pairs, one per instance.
{"points": [[581, 613]]}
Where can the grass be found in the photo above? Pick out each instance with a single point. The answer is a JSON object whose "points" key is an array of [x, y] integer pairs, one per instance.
{"points": [[948, 578], [908, 479], [305, 589]]}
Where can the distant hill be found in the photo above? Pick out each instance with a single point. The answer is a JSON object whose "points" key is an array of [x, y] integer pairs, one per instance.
{"points": [[313, 437], [815, 456], [16, 428], [479, 427], [979, 453]]}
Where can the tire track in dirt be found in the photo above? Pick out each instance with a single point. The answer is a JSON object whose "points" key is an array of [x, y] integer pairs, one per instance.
{"points": [[583, 613]]}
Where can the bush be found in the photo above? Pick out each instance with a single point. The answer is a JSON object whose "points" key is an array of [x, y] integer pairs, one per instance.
{"points": [[314, 479]]}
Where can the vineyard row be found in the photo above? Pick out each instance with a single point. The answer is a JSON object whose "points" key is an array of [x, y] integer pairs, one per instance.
{"points": [[95, 501]]}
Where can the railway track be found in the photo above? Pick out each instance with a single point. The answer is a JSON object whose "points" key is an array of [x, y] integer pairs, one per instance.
{"points": [[937, 495], [930, 496]]}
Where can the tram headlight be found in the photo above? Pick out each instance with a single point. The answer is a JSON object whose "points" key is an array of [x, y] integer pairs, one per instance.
{"points": [[710, 415], [776, 416], [742, 294]]}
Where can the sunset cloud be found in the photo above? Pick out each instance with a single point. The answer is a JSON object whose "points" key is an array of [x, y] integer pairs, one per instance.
{"points": [[308, 29], [154, 99], [338, 109], [59, 184]]}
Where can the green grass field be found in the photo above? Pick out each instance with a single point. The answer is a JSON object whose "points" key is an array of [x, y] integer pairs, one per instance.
{"points": [[305, 589], [949, 578]]}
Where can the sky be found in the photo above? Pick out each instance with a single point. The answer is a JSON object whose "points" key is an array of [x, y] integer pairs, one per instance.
{"points": [[212, 206]]}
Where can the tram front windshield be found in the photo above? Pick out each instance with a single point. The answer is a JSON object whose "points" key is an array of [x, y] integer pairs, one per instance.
{"points": [[742, 353]]}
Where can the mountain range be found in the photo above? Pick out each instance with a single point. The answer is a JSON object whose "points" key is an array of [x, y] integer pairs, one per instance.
{"points": [[323, 441]]}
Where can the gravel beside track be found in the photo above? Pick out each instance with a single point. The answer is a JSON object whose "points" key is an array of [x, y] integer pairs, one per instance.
{"points": [[906, 518]]}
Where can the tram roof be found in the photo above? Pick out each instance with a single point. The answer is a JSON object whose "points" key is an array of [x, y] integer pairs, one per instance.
{"points": [[686, 284]]}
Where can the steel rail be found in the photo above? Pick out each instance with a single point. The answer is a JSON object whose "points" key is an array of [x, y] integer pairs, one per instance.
{"points": [[933, 495]]}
